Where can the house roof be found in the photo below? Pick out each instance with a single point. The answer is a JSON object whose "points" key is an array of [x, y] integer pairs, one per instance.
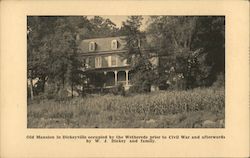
{"points": [[102, 44]]}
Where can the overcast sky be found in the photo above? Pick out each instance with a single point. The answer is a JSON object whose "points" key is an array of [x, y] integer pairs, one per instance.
{"points": [[117, 19]]}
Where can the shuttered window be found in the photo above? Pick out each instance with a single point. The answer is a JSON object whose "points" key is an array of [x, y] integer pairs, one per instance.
{"points": [[98, 62], [92, 46], [114, 44]]}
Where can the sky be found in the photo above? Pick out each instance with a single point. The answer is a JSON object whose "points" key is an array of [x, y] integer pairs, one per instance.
{"points": [[117, 19]]}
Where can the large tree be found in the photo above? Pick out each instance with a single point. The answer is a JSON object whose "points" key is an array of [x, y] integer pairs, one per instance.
{"points": [[210, 35], [39, 31], [138, 56], [101, 27], [188, 47], [52, 50], [53, 54]]}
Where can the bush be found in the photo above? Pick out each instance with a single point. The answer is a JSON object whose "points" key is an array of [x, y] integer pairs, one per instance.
{"points": [[220, 81], [50, 91], [118, 90], [140, 87], [53, 91], [62, 95]]}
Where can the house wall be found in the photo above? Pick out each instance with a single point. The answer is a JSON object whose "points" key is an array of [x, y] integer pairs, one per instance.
{"points": [[105, 61]]}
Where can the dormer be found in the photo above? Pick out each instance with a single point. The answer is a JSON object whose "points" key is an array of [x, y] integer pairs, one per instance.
{"points": [[92, 46], [114, 44]]}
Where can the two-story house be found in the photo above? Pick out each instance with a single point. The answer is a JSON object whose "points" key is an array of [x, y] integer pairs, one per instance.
{"points": [[106, 56]]}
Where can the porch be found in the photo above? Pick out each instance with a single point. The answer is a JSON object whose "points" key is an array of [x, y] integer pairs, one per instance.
{"points": [[109, 78], [116, 77]]}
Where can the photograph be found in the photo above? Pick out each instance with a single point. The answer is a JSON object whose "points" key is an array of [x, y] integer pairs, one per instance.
{"points": [[123, 79], [125, 71]]}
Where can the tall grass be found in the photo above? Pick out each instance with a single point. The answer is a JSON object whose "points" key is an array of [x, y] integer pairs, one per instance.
{"points": [[164, 109]]}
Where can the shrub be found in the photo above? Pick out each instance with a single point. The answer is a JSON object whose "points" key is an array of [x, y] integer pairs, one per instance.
{"points": [[50, 91], [118, 90], [143, 87], [220, 81], [62, 94]]}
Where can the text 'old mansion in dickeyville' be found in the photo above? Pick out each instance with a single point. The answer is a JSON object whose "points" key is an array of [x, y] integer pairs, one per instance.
{"points": [[105, 57]]}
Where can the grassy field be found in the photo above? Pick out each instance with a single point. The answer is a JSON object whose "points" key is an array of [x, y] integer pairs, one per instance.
{"points": [[197, 108]]}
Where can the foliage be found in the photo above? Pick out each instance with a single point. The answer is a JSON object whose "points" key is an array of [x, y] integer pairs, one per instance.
{"points": [[142, 71], [37, 32], [211, 37], [189, 46], [118, 90], [220, 81], [101, 27], [131, 29], [191, 51], [53, 55]]}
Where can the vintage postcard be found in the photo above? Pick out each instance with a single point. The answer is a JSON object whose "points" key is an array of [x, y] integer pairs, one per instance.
{"points": [[124, 78]]}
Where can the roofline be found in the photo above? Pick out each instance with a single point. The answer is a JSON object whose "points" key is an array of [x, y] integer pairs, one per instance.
{"points": [[103, 52], [102, 38], [110, 37], [111, 52], [108, 68]]}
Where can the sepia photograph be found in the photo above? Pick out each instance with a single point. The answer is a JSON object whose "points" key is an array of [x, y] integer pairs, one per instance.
{"points": [[125, 71], [123, 79]]}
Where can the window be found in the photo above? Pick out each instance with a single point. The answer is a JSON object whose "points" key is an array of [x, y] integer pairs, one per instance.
{"points": [[92, 46], [98, 62], [91, 62], [113, 60], [105, 61], [114, 44]]}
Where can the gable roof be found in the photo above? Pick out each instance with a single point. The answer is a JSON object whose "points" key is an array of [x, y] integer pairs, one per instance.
{"points": [[102, 44]]}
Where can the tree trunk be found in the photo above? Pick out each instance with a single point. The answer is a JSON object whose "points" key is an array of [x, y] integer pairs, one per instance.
{"points": [[83, 94], [43, 84], [31, 87], [31, 90], [72, 90], [63, 82]]}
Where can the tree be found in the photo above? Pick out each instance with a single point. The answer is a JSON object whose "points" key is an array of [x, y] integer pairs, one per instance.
{"points": [[183, 44], [131, 29], [37, 35], [53, 54], [142, 71], [64, 62], [101, 27], [52, 50], [211, 37], [173, 38]]}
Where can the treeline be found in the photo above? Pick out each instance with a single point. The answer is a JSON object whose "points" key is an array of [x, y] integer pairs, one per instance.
{"points": [[191, 51], [53, 54]]}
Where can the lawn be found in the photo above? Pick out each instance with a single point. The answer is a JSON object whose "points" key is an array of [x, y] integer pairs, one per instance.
{"points": [[198, 108]]}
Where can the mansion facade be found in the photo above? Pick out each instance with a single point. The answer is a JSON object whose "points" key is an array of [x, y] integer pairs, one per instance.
{"points": [[106, 57]]}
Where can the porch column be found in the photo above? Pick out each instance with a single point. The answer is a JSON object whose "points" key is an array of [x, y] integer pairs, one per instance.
{"points": [[105, 73], [115, 77], [126, 77]]}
